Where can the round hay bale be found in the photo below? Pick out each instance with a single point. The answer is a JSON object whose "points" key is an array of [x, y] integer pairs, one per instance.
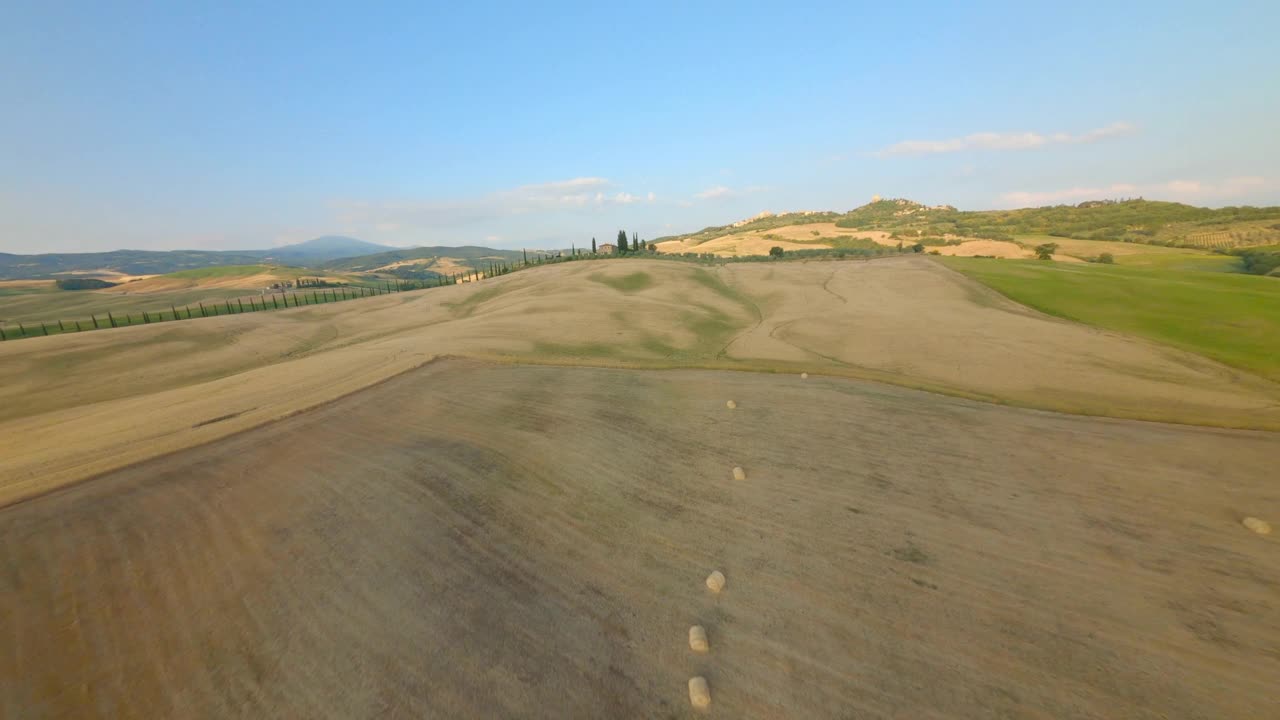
{"points": [[731, 404], [715, 581], [699, 693], [739, 474], [804, 376], [1262, 527], [698, 639]]}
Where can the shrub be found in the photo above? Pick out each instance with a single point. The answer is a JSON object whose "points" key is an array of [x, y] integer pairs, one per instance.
{"points": [[84, 284], [1107, 259], [1046, 251], [775, 251]]}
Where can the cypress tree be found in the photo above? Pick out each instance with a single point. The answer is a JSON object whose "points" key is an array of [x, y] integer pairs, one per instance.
{"points": [[622, 241], [593, 246]]}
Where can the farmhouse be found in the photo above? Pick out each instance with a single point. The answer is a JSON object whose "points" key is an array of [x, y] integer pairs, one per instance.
{"points": [[607, 249]]}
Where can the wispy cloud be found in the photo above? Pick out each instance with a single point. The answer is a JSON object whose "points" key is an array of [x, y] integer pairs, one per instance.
{"points": [[575, 194], [1193, 190], [1004, 141], [717, 191]]}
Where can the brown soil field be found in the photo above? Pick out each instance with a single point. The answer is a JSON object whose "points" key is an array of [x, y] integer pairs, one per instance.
{"points": [[507, 541], [73, 406]]}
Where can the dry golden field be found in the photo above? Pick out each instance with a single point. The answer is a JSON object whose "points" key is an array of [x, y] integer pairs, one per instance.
{"points": [[501, 499]]}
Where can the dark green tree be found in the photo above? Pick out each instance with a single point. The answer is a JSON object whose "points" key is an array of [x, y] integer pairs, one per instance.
{"points": [[622, 241], [1045, 251], [775, 251], [593, 246]]}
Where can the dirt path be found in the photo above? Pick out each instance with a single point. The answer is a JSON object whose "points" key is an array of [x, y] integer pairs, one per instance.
{"points": [[504, 541]]}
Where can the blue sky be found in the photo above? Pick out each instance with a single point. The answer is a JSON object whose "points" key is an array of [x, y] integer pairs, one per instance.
{"points": [[182, 125]]}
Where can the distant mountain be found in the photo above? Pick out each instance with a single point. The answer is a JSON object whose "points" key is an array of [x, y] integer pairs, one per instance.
{"points": [[128, 262], [157, 262], [323, 249]]}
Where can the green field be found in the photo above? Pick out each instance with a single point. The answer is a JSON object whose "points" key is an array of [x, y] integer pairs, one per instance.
{"points": [[233, 271], [1137, 254], [1233, 318]]}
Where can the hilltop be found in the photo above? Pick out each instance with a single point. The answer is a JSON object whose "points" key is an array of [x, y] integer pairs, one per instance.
{"points": [[424, 262], [1139, 221], [327, 247]]}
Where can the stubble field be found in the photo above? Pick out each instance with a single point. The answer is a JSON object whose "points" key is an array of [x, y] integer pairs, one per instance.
{"points": [[501, 500]]}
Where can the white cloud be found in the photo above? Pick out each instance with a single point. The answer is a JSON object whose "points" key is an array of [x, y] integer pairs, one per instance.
{"points": [[1004, 141], [573, 195], [651, 197], [1191, 190], [714, 192]]}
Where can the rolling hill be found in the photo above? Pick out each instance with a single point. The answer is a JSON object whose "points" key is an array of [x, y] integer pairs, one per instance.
{"points": [[500, 499], [423, 262], [156, 262], [119, 262], [1134, 221]]}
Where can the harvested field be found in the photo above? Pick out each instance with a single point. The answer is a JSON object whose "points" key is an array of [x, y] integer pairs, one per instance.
{"points": [[472, 540], [78, 405], [809, 236], [738, 245], [442, 265], [27, 285]]}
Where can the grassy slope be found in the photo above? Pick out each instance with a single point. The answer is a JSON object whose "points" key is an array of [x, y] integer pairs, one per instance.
{"points": [[51, 306], [1137, 254], [1232, 318], [48, 304], [470, 255], [230, 271]]}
